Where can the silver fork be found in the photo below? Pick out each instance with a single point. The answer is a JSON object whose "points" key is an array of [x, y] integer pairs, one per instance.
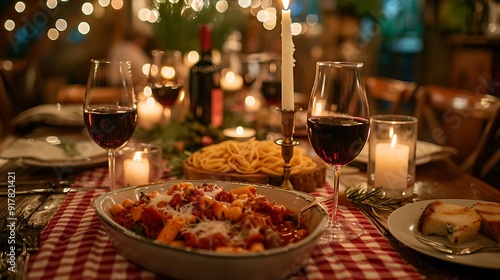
{"points": [[453, 250]]}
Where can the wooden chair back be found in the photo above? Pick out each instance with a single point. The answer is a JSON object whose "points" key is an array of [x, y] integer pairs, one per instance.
{"points": [[457, 118], [387, 96], [5, 110], [23, 81]]}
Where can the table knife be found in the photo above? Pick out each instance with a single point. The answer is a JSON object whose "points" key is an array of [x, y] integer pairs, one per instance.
{"points": [[52, 184], [58, 190]]}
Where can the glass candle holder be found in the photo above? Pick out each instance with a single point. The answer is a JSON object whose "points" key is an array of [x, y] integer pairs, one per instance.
{"points": [[391, 158], [138, 164]]}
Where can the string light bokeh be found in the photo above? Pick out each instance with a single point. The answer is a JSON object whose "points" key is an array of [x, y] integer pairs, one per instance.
{"points": [[265, 11]]}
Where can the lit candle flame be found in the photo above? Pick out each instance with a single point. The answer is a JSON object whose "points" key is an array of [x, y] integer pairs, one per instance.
{"points": [[240, 130], [230, 77], [150, 102], [168, 72], [137, 157], [394, 141], [285, 4]]}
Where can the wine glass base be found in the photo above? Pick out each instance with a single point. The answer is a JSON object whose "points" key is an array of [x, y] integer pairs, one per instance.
{"points": [[341, 231]]}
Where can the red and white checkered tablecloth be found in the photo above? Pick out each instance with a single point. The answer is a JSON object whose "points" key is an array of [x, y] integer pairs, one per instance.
{"points": [[74, 245]]}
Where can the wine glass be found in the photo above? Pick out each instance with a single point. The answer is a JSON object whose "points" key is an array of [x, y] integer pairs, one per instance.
{"points": [[271, 80], [338, 127], [166, 77], [269, 84], [110, 107]]}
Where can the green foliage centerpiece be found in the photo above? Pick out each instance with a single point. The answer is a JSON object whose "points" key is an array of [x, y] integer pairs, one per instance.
{"points": [[178, 23]]}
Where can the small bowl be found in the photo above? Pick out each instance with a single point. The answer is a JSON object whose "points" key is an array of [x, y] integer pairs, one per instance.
{"points": [[187, 263]]}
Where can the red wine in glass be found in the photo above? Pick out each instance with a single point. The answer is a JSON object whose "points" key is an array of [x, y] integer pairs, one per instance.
{"points": [[272, 92], [337, 140], [109, 127], [337, 127], [166, 94]]}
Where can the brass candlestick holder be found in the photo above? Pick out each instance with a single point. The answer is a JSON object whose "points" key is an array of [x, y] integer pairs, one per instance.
{"points": [[287, 143]]}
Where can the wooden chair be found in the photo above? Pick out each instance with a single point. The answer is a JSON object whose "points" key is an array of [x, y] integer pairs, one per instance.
{"points": [[457, 118], [5, 110], [389, 93], [23, 81]]}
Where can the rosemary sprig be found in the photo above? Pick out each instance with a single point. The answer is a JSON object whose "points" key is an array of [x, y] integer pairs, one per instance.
{"points": [[374, 200]]}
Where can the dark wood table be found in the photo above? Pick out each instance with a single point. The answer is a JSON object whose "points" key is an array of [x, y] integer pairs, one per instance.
{"points": [[440, 180], [435, 180]]}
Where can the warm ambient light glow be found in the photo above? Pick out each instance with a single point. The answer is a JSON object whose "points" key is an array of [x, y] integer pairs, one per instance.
{"points": [[222, 6], [252, 104], [144, 14], [136, 170], [391, 164], [286, 3], [9, 25], [61, 24], [394, 141], [53, 34], [117, 4], [261, 9], [104, 3], [168, 72], [239, 133], [51, 4], [20, 7], [87, 8], [137, 157], [83, 28], [197, 5], [240, 130]]}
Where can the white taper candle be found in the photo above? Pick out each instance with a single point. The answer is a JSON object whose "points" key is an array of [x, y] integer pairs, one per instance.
{"points": [[287, 61]]}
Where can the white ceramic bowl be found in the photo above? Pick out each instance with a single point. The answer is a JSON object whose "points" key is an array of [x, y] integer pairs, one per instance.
{"points": [[179, 263]]}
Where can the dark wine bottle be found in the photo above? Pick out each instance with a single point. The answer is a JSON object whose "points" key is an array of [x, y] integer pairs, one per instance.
{"points": [[205, 95]]}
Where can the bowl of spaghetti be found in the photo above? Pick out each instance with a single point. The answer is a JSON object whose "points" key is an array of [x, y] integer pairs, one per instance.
{"points": [[202, 229], [255, 161]]}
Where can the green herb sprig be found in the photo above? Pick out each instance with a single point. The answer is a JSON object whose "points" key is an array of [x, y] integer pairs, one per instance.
{"points": [[374, 200], [178, 140]]}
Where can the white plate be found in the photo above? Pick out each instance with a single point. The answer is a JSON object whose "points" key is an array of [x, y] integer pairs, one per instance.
{"points": [[38, 152], [403, 224], [425, 152]]}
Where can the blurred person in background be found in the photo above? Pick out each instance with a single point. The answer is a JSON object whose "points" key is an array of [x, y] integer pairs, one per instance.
{"points": [[133, 47]]}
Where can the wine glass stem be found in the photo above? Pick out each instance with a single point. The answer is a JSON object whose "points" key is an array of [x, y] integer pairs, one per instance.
{"points": [[336, 187], [111, 164]]}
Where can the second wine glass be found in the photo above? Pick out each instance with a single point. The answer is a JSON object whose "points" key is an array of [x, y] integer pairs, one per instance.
{"points": [[110, 107], [338, 127], [166, 77]]}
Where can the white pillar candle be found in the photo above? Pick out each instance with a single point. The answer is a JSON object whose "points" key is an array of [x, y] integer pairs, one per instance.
{"points": [[391, 165], [239, 133], [136, 170], [149, 113], [287, 61], [231, 81]]}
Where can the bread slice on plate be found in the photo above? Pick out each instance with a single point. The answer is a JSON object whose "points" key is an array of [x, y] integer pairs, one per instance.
{"points": [[490, 223], [458, 223]]}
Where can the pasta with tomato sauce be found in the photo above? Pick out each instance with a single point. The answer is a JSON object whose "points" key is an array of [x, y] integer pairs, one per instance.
{"points": [[208, 217]]}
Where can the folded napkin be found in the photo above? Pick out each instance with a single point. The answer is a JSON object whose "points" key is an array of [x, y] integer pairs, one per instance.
{"points": [[425, 152], [53, 114], [41, 150]]}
